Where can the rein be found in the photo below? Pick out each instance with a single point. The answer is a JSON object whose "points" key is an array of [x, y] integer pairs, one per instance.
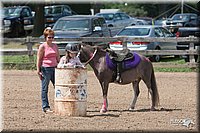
{"points": [[91, 57]]}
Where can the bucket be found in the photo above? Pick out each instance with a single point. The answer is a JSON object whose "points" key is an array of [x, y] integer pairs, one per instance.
{"points": [[70, 91]]}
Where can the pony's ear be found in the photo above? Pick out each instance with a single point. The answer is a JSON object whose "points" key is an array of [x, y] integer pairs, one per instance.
{"points": [[96, 47], [82, 45]]}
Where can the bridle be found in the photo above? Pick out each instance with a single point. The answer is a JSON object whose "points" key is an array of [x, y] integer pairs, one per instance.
{"points": [[91, 57]]}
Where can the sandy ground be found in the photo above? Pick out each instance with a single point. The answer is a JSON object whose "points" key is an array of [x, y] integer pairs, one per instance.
{"points": [[178, 102]]}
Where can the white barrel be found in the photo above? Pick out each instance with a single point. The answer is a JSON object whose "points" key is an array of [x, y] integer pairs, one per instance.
{"points": [[70, 91]]}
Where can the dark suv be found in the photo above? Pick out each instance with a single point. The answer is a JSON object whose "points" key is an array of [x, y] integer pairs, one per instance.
{"points": [[54, 12], [17, 21], [80, 26], [182, 20], [186, 32]]}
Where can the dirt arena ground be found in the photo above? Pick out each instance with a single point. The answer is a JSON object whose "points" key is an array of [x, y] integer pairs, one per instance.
{"points": [[178, 103]]}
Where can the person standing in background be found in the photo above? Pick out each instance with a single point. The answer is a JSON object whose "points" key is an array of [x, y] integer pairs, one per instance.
{"points": [[47, 59]]}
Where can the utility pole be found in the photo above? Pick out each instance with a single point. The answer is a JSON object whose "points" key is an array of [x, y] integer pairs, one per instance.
{"points": [[182, 4]]}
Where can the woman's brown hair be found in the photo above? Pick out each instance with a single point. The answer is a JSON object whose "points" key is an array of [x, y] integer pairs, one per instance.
{"points": [[47, 32]]}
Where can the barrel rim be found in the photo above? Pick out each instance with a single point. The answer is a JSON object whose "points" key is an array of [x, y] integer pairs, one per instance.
{"points": [[69, 100], [72, 68], [65, 85]]}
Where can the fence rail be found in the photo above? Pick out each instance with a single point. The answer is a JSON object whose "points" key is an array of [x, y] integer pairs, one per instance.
{"points": [[30, 41]]}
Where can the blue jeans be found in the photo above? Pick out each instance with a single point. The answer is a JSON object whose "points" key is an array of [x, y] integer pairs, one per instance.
{"points": [[48, 75]]}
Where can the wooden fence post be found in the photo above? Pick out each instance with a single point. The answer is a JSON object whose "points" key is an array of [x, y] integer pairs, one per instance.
{"points": [[29, 45], [191, 56], [124, 43], [198, 54]]}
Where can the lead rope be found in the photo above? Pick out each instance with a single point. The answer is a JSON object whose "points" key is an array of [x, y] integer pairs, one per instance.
{"points": [[91, 57]]}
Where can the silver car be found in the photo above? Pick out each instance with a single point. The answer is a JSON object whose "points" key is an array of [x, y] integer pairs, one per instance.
{"points": [[118, 20], [145, 31]]}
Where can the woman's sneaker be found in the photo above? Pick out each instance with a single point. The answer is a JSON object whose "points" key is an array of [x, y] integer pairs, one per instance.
{"points": [[48, 110]]}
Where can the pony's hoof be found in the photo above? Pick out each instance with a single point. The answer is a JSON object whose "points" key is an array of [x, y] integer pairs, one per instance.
{"points": [[103, 110], [131, 109], [153, 109]]}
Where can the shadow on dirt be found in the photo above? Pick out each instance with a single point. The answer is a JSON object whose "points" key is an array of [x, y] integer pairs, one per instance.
{"points": [[157, 110], [103, 114], [108, 113]]}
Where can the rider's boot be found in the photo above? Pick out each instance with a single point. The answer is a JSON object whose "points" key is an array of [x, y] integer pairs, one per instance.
{"points": [[118, 78]]}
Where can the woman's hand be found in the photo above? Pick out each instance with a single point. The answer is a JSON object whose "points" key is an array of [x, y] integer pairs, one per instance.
{"points": [[40, 75]]}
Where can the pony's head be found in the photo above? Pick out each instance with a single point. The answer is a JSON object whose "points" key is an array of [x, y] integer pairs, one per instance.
{"points": [[86, 52]]}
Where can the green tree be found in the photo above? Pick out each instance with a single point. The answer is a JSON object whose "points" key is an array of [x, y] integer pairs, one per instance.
{"points": [[134, 10], [151, 10]]}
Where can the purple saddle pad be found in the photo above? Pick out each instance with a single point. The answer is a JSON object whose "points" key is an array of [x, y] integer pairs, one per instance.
{"points": [[131, 63]]}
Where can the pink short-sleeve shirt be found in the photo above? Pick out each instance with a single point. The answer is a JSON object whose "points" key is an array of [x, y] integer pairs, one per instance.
{"points": [[50, 56]]}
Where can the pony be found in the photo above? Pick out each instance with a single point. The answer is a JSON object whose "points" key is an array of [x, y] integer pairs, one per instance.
{"points": [[96, 58]]}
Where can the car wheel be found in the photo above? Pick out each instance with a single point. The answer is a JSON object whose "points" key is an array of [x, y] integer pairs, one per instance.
{"points": [[187, 25], [156, 58]]}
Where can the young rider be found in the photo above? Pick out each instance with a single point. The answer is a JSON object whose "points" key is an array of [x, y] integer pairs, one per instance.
{"points": [[70, 59]]}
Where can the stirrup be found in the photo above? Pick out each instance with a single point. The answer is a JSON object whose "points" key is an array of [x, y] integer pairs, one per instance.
{"points": [[118, 79]]}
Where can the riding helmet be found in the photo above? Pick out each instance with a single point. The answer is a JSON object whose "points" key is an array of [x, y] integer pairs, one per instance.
{"points": [[72, 47]]}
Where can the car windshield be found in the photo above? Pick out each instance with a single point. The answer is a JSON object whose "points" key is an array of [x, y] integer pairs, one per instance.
{"points": [[134, 32], [53, 10], [180, 17], [70, 25], [11, 11], [108, 16]]}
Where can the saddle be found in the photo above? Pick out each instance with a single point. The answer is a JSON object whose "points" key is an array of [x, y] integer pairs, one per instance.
{"points": [[120, 56]]}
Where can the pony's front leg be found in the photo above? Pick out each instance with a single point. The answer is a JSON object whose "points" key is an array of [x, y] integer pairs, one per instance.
{"points": [[104, 106], [104, 87], [136, 92]]}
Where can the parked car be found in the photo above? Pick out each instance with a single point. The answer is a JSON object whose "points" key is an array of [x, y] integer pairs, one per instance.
{"points": [[144, 31], [118, 20], [161, 22], [54, 12], [80, 26], [147, 20], [183, 20], [17, 21]]}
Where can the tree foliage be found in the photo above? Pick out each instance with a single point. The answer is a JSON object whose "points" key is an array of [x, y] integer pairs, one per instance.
{"points": [[150, 10], [134, 10]]}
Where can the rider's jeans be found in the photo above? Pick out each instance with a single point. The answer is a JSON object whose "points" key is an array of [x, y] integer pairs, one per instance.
{"points": [[48, 74]]}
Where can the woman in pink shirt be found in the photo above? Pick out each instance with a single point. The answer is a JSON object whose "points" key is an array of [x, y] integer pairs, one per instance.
{"points": [[47, 59]]}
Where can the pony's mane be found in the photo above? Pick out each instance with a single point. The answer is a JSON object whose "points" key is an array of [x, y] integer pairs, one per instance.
{"points": [[99, 48], [101, 51]]}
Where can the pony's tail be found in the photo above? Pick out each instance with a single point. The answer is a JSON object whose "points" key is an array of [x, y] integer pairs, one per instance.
{"points": [[155, 95]]}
